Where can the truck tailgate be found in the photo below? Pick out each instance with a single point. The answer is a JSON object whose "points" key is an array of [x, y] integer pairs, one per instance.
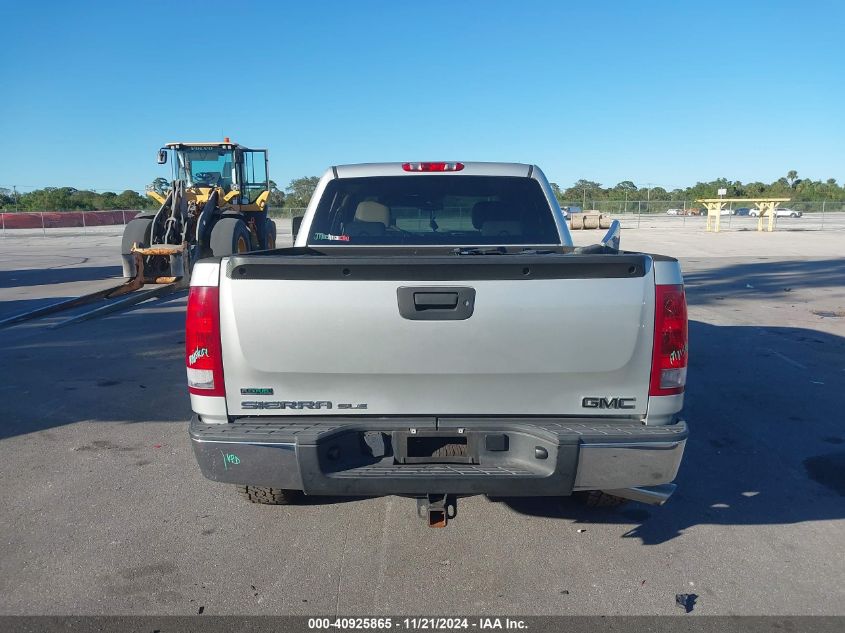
{"points": [[427, 335]]}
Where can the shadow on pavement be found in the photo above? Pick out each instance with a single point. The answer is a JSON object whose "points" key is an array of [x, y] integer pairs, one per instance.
{"points": [[767, 278], [767, 439], [49, 276], [128, 367]]}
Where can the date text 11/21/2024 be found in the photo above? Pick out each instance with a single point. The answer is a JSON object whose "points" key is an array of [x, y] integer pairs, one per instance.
{"points": [[417, 623]]}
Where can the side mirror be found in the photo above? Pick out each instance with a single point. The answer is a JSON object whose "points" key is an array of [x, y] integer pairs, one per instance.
{"points": [[161, 159], [296, 222], [613, 236]]}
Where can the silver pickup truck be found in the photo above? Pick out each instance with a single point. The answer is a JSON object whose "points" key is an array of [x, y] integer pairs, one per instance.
{"points": [[433, 333]]}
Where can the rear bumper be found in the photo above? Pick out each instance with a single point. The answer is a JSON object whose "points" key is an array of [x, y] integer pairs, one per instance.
{"points": [[505, 456]]}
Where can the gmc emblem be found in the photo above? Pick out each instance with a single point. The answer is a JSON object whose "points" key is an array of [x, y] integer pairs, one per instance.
{"points": [[611, 403]]}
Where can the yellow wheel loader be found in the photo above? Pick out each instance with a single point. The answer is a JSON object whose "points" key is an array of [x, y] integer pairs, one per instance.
{"points": [[216, 205]]}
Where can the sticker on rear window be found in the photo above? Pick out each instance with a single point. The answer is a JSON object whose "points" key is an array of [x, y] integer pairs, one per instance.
{"points": [[331, 238]]}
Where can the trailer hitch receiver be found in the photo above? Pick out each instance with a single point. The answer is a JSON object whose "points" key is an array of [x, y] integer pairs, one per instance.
{"points": [[437, 509]]}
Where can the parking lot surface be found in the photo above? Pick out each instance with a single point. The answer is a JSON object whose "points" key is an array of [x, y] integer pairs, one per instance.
{"points": [[105, 511]]}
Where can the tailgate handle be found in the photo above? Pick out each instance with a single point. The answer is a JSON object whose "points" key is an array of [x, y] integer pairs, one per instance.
{"points": [[435, 300], [437, 303]]}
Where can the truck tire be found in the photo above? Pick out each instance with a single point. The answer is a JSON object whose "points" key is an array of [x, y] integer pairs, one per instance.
{"points": [[269, 496], [230, 236], [137, 231], [269, 234], [599, 499]]}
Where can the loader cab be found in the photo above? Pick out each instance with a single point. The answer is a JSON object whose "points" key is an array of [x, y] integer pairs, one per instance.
{"points": [[228, 166]]}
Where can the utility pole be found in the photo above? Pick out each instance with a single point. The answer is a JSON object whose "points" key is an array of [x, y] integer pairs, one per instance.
{"points": [[648, 186], [584, 203], [15, 189]]}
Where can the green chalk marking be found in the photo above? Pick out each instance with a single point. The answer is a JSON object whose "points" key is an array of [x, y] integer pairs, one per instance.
{"points": [[229, 458]]}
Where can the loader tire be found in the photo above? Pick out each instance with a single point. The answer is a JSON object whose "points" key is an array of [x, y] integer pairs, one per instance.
{"points": [[230, 236], [599, 499], [269, 496], [136, 232], [269, 234]]}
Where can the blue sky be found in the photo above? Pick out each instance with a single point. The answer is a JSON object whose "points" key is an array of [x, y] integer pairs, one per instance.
{"points": [[654, 92]]}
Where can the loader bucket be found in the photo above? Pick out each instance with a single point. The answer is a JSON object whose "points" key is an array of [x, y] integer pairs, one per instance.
{"points": [[176, 256]]}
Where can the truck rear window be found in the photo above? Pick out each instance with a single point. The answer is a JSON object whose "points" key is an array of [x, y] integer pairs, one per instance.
{"points": [[434, 210]]}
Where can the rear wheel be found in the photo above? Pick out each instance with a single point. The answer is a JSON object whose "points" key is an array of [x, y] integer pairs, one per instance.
{"points": [[230, 236], [269, 496], [269, 234], [599, 499], [793, 215]]}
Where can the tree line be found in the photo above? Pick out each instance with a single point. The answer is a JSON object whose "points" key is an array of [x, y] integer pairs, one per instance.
{"points": [[298, 193], [71, 199], [789, 186]]}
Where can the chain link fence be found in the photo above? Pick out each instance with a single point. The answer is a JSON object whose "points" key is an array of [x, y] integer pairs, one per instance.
{"points": [[633, 214], [285, 213], [42, 221], [29, 222]]}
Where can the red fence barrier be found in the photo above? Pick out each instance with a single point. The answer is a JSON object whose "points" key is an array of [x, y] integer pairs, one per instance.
{"points": [[64, 219]]}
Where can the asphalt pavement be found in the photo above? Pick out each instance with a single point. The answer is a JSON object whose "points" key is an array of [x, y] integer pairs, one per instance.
{"points": [[104, 510]]}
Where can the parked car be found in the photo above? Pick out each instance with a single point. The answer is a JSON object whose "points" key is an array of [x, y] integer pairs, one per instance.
{"points": [[726, 212], [779, 213], [742, 211], [674, 212], [440, 369], [568, 211]]}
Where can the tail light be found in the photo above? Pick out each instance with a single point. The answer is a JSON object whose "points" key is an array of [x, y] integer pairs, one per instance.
{"points": [[671, 341], [203, 357], [432, 166]]}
